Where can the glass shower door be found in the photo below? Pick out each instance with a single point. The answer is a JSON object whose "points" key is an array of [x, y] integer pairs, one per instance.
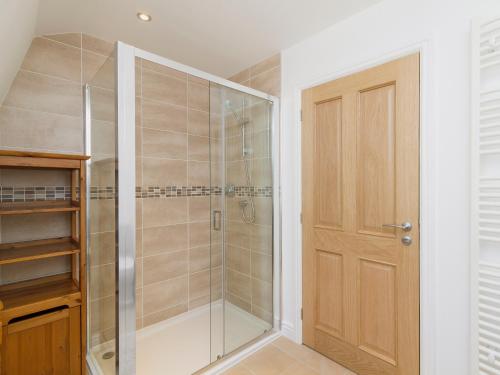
{"points": [[100, 125], [242, 218]]}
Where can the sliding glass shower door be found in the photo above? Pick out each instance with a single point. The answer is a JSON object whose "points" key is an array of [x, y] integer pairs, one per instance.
{"points": [[242, 218], [182, 262]]}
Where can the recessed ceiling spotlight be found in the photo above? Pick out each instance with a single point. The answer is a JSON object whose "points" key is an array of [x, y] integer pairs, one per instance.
{"points": [[144, 17]]}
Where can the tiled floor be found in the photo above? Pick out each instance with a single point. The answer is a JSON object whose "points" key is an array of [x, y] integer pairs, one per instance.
{"points": [[284, 357]]}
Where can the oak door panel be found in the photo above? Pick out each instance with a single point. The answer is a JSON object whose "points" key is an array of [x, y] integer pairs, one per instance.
{"points": [[360, 168]]}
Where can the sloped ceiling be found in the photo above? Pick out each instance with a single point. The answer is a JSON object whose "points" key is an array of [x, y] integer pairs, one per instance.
{"points": [[16, 34], [222, 37]]}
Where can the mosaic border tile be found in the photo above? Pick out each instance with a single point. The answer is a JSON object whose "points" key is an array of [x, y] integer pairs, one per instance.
{"points": [[51, 193]]}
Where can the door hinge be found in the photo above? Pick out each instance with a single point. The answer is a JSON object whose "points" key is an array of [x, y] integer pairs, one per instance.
{"points": [[300, 115], [301, 314], [301, 218]]}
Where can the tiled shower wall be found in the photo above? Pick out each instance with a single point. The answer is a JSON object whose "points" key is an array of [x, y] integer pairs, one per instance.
{"points": [[249, 259], [43, 112], [173, 176]]}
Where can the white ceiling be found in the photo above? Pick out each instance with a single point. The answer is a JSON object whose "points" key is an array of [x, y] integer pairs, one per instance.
{"points": [[222, 37]]}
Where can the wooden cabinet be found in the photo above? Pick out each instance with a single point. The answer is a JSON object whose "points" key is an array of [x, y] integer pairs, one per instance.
{"points": [[43, 320], [47, 343]]}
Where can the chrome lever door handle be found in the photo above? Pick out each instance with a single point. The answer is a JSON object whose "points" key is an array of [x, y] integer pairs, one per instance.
{"points": [[406, 226]]}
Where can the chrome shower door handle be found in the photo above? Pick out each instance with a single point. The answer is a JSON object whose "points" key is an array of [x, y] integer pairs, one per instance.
{"points": [[216, 219], [406, 226]]}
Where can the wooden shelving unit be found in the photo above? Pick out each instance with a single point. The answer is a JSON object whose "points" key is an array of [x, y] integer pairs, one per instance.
{"points": [[53, 301], [40, 249], [38, 207]]}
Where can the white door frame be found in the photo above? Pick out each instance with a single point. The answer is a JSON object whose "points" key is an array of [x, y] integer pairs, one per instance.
{"points": [[428, 195]]}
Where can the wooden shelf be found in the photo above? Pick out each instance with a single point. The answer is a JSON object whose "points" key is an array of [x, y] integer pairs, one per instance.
{"points": [[22, 208], [33, 250], [38, 294], [47, 155], [23, 159]]}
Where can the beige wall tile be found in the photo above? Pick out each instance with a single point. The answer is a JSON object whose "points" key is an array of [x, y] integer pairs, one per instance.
{"points": [[262, 266], [102, 215], [262, 314], [138, 305], [11, 273], [103, 104], [199, 285], [165, 239], [34, 177], [39, 131], [149, 65], [268, 82], [43, 93], [164, 211], [103, 138], [199, 259], [165, 294], [164, 144], [96, 45], [198, 302], [240, 77], [238, 259], [102, 172], [98, 70], [261, 238], [164, 88], [198, 123], [199, 148], [239, 284], [199, 173], [34, 227], [199, 208], [164, 172], [138, 242], [165, 266], [262, 294], [237, 234], [102, 282], [72, 39], [165, 314], [216, 284], [163, 116], [102, 316], [269, 63], [54, 59], [198, 80], [139, 272], [198, 97], [102, 248], [262, 172], [237, 301], [260, 144], [199, 234], [263, 210]]}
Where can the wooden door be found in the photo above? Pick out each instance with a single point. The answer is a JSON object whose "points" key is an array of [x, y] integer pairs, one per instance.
{"points": [[360, 140], [48, 344]]}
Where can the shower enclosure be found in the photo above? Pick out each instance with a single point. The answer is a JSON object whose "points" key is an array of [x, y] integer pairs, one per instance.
{"points": [[183, 266]]}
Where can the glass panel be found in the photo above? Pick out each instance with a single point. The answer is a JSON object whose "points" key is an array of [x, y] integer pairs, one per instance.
{"points": [[100, 108], [242, 173], [217, 210]]}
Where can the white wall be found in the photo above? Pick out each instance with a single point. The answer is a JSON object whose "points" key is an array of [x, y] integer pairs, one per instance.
{"points": [[374, 34], [17, 28]]}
